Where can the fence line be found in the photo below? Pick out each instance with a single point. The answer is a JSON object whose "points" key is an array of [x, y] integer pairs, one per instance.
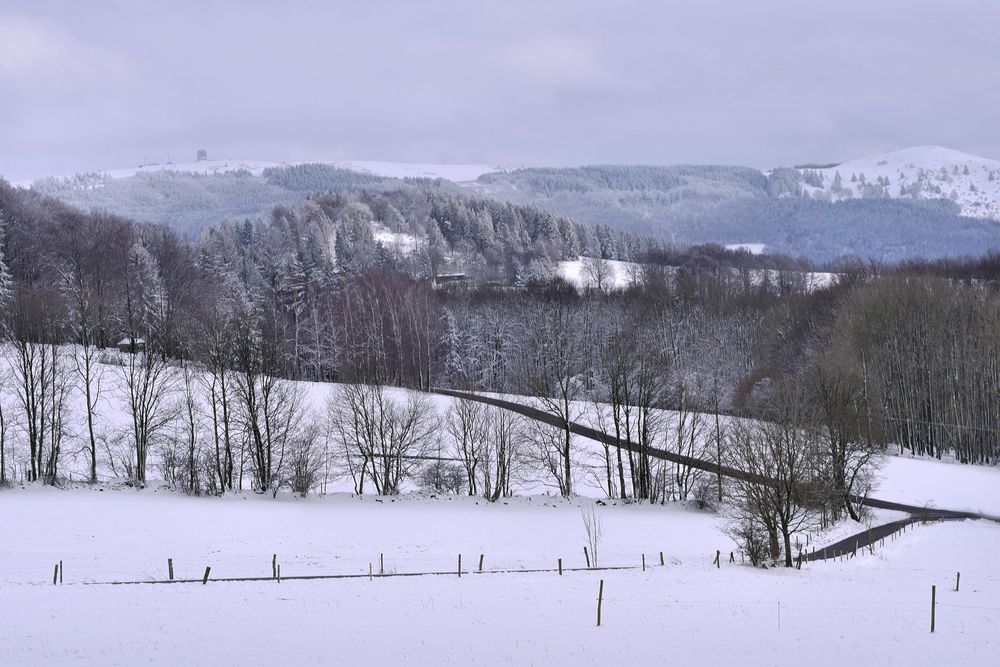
{"points": [[386, 575]]}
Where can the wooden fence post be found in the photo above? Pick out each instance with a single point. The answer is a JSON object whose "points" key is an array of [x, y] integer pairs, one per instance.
{"points": [[460, 565], [381, 563], [644, 562], [587, 556], [481, 562], [274, 566], [279, 573], [958, 579], [170, 568], [560, 567], [55, 574], [205, 579], [600, 599], [933, 599], [60, 572], [661, 558]]}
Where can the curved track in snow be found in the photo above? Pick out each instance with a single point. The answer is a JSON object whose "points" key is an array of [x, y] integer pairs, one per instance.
{"points": [[846, 545]]}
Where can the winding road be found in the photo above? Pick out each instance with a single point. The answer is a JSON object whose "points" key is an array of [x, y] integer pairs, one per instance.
{"points": [[847, 545]]}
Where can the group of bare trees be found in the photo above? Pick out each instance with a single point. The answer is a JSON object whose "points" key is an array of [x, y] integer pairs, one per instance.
{"points": [[379, 438], [925, 357]]}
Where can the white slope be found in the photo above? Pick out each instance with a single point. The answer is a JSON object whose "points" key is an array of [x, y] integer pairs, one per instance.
{"points": [[399, 242], [869, 610], [617, 274], [944, 484], [752, 248], [924, 172], [581, 273], [200, 167]]}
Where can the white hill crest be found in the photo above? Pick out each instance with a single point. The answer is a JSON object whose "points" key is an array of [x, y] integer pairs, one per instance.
{"points": [[923, 172]]}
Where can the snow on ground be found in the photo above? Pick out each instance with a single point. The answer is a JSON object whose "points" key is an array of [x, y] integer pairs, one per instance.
{"points": [[256, 167], [811, 281], [619, 275], [931, 172], [752, 248], [943, 484], [404, 244], [872, 609], [940, 484]]}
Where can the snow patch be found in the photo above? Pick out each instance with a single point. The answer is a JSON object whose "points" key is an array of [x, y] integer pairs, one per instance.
{"points": [[619, 274], [752, 248]]}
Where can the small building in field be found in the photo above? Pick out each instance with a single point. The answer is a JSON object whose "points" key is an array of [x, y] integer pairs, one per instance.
{"points": [[202, 155], [450, 280], [132, 345]]}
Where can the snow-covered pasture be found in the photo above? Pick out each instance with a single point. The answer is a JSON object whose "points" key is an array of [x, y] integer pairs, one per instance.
{"points": [[399, 242], [617, 275], [874, 608], [113, 423], [915, 481], [871, 609]]}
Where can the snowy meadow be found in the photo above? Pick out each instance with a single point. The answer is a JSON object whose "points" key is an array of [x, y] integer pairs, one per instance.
{"points": [[518, 609]]}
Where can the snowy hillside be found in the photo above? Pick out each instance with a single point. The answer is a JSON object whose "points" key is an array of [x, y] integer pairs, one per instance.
{"points": [[924, 172], [585, 272], [833, 612]]}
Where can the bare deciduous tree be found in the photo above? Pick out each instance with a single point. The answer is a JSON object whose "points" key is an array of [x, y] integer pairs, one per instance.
{"points": [[598, 273], [784, 451], [305, 461], [593, 529], [148, 383], [381, 439]]}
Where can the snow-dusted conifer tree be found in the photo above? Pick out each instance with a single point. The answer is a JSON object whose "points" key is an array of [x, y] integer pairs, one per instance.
{"points": [[6, 281]]}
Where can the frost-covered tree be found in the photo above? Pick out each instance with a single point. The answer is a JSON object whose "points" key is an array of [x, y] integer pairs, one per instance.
{"points": [[6, 281]]}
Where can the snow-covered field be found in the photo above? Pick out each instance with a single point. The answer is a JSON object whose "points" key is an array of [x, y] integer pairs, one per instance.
{"points": [[617, 274], [752, 248], [402, 243], [620, 275], [874, 608], [871, 608], [940, 484]]}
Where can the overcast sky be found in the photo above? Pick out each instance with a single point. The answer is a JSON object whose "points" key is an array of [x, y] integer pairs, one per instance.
{"points": [[98, 85]]}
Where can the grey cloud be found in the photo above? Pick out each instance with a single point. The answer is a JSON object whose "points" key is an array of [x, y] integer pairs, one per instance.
{"points": [[100, 85]]}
